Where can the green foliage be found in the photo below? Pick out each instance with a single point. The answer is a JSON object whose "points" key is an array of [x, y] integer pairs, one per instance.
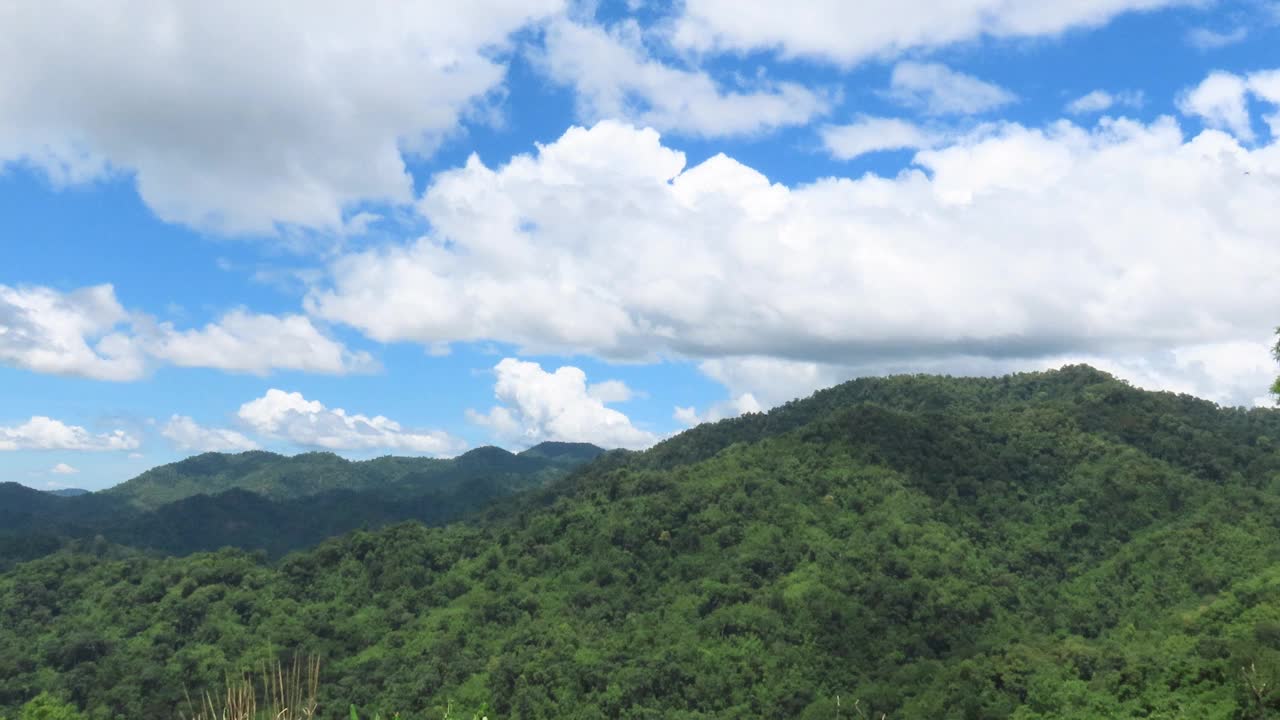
{"points": [[1046, 545], [1275, 352], [46, 707], [264, 501]]}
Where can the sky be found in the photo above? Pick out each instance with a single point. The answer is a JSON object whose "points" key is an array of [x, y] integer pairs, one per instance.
{"points": [[419, 228]]}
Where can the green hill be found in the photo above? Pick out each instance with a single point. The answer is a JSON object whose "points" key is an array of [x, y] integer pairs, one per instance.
{"points": [[278, 477], [265, 501], [1045, 545]]}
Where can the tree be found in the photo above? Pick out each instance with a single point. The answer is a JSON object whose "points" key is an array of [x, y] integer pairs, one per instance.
{"points": [[1275, 352], [46, 707]]}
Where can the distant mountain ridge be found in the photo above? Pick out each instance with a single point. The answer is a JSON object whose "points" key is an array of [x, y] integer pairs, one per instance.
{"points": [[263, 500], [281, 477], [68, 492]]}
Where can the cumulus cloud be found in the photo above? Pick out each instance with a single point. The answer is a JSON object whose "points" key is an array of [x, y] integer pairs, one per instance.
{"points": [[1221, 100], [537, 405], [1266, 87], [291, 417], [845, 32], [1101, 100], [63, 469], [187, 434], [43, 433], [873, 134], [1008, 243], [610, 391], [740, 404], [242, 115], [241, 341], [938, 90], [87, 333], [74, 333], [615, 77]]}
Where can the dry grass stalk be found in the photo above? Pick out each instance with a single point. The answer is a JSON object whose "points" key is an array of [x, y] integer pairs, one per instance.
{"points": [[289, 693]]}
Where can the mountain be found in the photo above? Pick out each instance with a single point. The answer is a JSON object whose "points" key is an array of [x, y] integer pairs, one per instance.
{"points": [[564, 452], [15, 499], [281, 478], [1043, 545], [68, 492], [264, 501]]}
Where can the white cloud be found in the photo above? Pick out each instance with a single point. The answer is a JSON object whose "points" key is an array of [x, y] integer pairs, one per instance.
{"points": [[43, 433], [63, 469], [614, 77], [187, 434], [1115, 239], [772, 381], [241, 341], [87, 333], [1221, 100], [938, 90], [873, 134], [291, 417], [1266, 87], [537, 405], [740, 404], [73, 333], [1206, 39], [236, 116], [714, 260], [848, 32], [610, 391], [1101, 100]]}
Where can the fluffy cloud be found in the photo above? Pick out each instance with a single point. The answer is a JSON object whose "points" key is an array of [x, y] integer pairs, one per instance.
{"points": [[237, 116], [1101, 100], [739, 404], [42, 433], [1221, 100], [873, 134], [63, 469], [847, 32], [615, 78], [1009, 243], [67, 333], [1266, 87], [187, 434], [87, 333], [537, 405], [291, 417], [241, 341], [938, 90]]}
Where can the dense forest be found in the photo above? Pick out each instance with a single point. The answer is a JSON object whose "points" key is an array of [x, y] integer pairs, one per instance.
{"points": [[264, 501], [1042, 545]]}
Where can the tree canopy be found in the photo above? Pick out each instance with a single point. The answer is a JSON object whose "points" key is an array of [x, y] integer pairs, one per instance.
{"points": [[1044, 545]]}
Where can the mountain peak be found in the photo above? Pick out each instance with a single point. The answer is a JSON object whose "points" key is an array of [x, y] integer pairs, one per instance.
{"points": [[556, 450]]}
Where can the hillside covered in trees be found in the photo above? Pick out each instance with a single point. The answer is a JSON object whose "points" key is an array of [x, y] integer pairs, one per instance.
{"points": [[1045, 545], [264, 501]]}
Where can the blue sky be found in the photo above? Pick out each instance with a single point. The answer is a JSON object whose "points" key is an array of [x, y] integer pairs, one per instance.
{"points": [[427, 227]]}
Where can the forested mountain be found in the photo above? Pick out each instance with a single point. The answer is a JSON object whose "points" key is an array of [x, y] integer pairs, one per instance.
{"points": [[68, 492], [278, 477], [1045, 545], [264, 501]]}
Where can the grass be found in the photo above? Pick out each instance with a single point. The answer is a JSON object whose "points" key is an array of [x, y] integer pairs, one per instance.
{"points": [[287, 693]]}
